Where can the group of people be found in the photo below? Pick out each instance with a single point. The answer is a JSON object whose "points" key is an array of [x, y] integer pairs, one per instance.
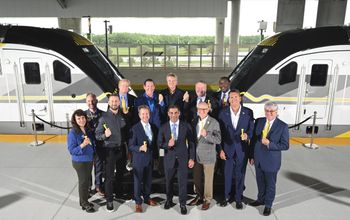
{"points": [[196, 132]]}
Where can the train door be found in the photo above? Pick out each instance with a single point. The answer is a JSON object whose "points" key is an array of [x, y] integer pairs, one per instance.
{"points": [[314, 93], [34, 90]]}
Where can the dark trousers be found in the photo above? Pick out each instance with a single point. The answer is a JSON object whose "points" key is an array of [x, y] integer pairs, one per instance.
{"points": [[83, 170], [234, 167], [98, 165], [266, 186], [142, 182], [112, 155], [182, 169]]}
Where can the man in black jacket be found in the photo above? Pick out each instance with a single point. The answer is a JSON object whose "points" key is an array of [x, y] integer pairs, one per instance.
{"points": [[109, 130]]}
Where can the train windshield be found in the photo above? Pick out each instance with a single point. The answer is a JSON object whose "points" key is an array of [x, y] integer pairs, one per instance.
{"points": [[101, 62], [254, 57]]}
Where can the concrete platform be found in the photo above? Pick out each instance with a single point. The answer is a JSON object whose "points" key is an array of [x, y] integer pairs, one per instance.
{"points": [[40, 183]]}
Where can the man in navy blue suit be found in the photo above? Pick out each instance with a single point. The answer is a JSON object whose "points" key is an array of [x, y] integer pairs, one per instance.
{"points": [[222, 96], [237, 124], [176, 138], [153, 100], [143, 146], [271, 136]]}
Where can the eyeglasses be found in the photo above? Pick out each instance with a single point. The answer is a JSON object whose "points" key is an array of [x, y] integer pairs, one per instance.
{"points": [[270, 111], [202, 109]]}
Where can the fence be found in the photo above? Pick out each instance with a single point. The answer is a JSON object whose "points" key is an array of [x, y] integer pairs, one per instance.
{"points": [[188, 56]]}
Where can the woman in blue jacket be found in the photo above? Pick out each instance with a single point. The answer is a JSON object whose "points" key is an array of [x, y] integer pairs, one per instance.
{"points": [[81, 147]]}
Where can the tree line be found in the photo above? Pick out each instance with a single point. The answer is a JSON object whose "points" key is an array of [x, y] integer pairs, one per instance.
{"points": [[137, 38]]}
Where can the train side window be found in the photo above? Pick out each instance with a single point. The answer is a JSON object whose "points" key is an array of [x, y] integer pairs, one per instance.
{"points": [[61, 72], [32, 73], [319, 75], [288, 73]]}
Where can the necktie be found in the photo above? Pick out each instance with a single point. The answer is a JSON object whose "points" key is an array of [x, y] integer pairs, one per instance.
{"points": [[224, 99], [266, 129], [148, 132], [173, 130], [123, 103]]}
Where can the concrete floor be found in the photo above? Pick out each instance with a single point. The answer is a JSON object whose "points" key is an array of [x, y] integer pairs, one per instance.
{"points": [[40, 183]]}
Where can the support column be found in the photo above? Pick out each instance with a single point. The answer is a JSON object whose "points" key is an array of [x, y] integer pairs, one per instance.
{"points": [[219, 42], [331, 12], [234, 34], [70, 24]]}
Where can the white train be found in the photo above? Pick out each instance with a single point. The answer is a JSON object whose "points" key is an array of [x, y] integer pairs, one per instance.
{"points": [[50, 71], [304, 71]]}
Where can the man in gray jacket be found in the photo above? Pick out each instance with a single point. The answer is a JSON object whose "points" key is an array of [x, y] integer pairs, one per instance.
{"points": [[109, 130], [208, 136]]}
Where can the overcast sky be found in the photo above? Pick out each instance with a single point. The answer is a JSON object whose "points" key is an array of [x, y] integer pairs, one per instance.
{"points": [[251, 12]]}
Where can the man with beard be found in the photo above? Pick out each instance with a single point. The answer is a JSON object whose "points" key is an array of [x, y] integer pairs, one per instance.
{"points": [[109, 130]]}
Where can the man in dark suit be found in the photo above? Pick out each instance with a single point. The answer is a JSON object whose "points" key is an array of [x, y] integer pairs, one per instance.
{"points": [[237, 124], [271, 136], [127, 102], [174, 96], [222, 96], [176, 138], [154, 101], [200, 96], [93, 114], [143, 146]]}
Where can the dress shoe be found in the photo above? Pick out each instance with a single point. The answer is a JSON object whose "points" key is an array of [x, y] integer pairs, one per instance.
{"points": [[168, 204], [110, 207], [239, 205], [205, 205], [267, 211], [196, 201], [88, 208], [183, 209], [224, 203], [256, 203], [151, 202], [138, 208]]}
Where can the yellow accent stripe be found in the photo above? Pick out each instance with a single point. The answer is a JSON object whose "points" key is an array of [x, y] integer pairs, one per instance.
{"points": [[63, 138], [184, 87], [344, 135], [2, 44], [55, 98]]}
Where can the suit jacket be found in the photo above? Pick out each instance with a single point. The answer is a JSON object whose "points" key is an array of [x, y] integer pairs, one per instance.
{"points": [[173, 99], [157, 111], [191, 111], [129, 117], [138, 136], [206, 146], [231, 138], [217, 96], [269, 158], [184, 145]]}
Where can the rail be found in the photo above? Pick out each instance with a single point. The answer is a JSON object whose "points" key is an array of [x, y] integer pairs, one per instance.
{"points": [[178, 56]]}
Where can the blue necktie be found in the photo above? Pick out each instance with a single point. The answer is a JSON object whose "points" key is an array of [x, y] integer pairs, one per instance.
{"points": [[148, 132], [173, 130]]}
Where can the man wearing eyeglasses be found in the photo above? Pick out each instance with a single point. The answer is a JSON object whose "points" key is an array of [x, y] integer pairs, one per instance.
{"points": [[208, 136], [271, 136]]}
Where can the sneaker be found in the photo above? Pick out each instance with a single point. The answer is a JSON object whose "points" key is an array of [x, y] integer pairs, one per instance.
{"points": [[110, 207]]}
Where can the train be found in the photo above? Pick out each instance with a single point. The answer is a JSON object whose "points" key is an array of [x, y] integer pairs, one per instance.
{"points": [[307, 73], [49, 71]]}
